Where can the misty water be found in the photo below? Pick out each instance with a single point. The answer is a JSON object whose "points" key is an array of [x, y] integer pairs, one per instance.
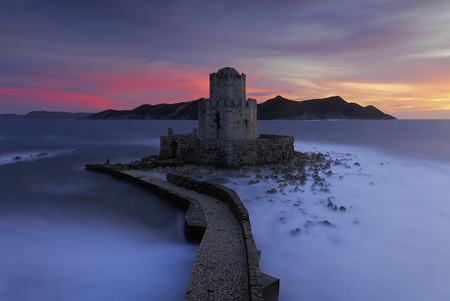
{"points": [[71, 234]]}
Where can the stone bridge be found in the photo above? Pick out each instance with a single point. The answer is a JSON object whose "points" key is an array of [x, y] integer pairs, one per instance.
{"points": [[226, 266]]}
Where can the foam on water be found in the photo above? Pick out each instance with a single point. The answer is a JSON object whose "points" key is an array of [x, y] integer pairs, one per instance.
{"points": [[28, 156], [390, 244]]}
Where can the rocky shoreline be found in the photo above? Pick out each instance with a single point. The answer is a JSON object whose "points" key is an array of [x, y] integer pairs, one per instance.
{"points": [[305, 169]]}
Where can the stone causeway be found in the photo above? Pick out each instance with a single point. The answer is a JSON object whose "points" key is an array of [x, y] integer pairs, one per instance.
{"points": [[226, 266]]}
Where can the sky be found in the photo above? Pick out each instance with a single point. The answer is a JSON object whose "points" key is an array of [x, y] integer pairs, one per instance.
{"points": [[88, 56]]}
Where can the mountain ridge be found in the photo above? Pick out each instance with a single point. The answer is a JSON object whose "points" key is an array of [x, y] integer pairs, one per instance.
{"points": [[334, 107], [46, 115], [278, 108]]}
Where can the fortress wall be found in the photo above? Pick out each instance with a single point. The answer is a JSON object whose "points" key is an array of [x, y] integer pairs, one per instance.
{"points": [[232, 200], [228, 153], [229, 121]]}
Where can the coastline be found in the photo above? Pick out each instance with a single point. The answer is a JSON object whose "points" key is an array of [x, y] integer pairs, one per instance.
{"points": [[390, 251]]}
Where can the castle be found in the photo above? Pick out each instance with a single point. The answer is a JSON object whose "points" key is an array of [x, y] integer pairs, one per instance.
{"points": [[227, 130]]}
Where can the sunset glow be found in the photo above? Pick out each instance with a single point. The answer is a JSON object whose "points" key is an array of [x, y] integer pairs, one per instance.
{"points": [[75, 56]]}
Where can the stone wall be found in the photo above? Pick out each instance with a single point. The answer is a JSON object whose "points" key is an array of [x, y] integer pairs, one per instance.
{"points": [[232, 200], [227, 84], [227, 153], [260, 286], [225, 120], [227, 114]]}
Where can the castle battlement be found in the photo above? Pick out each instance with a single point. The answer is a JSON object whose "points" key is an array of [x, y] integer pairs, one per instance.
{"points": [[211, 104]]}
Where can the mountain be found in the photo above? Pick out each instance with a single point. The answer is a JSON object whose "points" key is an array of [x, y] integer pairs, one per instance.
{"points": [[181, 110], [45, 115], [277, 108], [317, 109]]}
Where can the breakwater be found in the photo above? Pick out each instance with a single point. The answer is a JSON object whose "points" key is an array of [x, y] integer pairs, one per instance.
{"points": [[226, 266]]}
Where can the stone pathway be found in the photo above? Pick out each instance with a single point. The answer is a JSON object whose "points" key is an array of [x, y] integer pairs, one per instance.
{"points": [[226, 266], [220, 267], [220, 270]]}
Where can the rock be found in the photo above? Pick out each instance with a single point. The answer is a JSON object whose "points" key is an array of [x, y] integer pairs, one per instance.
{"points": [[17, 158], [330, 204], [290, 176], [342, 208], [42, 154], [296, 231], [242, 174], [335, 207], [259, 176], [273, 190], [357, 164], [252, 182], [327, 223]]}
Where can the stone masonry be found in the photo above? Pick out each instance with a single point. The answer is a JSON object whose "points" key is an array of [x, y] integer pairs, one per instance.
{"points": [[226, 114], [226, 266], [227, 130]]}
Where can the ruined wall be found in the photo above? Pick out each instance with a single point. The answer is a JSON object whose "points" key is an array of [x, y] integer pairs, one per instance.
{"points": [[228, 153], [226, 114]]}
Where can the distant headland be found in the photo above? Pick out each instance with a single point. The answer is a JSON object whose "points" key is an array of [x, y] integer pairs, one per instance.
{"points": [[46, 115], [278, 108]]}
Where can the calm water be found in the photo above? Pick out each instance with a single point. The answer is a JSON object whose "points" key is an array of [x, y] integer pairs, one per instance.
{"points": [[427, 139], [70, 234]]}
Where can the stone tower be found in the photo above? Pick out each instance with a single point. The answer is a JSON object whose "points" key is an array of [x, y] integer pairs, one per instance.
{"points": [[226, 134], [227, 115]]}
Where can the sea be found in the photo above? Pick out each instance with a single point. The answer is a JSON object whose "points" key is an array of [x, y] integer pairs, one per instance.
{"points": [[71, 234]]}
